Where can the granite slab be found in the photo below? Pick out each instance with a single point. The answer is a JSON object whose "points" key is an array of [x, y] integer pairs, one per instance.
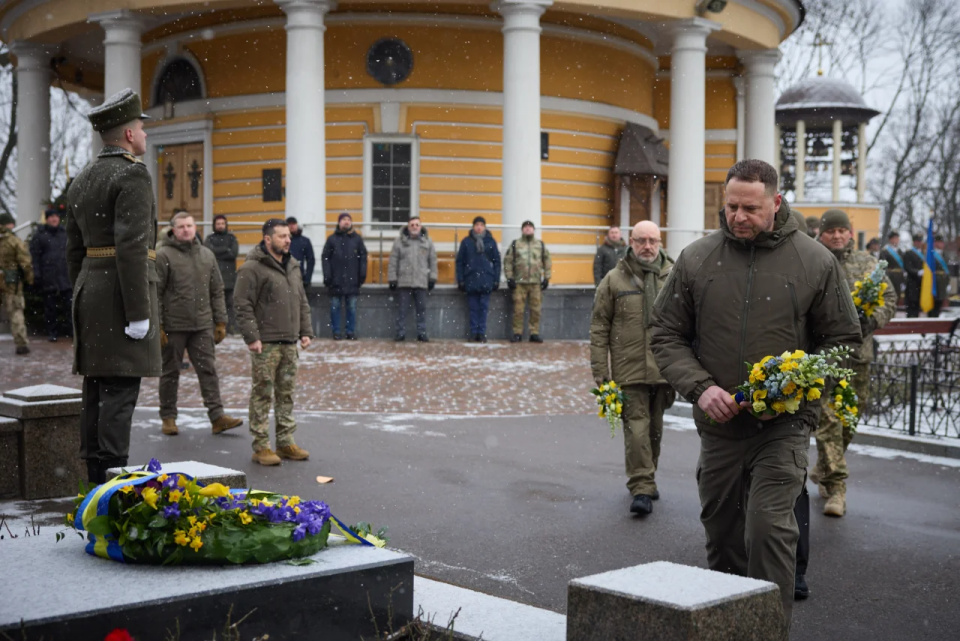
{"points": [[49, 464], [45, 392], [60, 592], [670, 602], [203, 472]]}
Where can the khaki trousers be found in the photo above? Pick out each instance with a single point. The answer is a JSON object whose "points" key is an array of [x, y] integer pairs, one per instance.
{"points": [[748, 489], [13, 302], [200, 347], [643, 407], [833, 438], [521, 295], [274, 381]]}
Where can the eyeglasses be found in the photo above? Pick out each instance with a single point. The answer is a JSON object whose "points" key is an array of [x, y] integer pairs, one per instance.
{"points": [[653, 242]]}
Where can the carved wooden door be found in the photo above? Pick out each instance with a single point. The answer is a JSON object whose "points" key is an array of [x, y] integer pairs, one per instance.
{"points": [[180, 180]]}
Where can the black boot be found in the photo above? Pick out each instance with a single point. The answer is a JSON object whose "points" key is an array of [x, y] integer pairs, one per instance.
{"points": [[800, 589], [108, 463], [535, 338], [641, 505], [93, 471], [516, 338]]}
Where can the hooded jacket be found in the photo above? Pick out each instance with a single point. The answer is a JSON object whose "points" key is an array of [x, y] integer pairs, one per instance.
{"points": [[413, 261], [225, 247], [730, 301], [608, 255], [302, 249], [344, 263], [270, 300], [190, 287], [478, 272]]}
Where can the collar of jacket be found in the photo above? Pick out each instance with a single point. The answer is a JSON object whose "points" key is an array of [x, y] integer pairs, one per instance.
{"points": [[345, 232], [616, 245], [631, 264], [783, 225], [844, 253], [260, 253], [405, 234], [175, 242], [113, 150]]}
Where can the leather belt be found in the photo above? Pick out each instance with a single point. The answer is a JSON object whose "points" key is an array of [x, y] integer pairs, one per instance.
{"points": [[108, 252]]}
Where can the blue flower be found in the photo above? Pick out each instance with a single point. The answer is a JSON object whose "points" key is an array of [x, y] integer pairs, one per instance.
{"points": [[171, 481], [153, 466], [171, 512], [299, 533]]}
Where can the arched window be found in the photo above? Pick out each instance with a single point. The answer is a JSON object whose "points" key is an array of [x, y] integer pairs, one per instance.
{"points": [[178, 82]]}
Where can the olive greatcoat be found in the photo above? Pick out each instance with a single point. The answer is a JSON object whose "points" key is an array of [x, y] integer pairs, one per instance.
{"points": [[111, 204]]}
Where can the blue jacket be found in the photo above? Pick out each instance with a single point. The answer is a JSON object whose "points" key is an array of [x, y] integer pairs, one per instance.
{"points": [[478, 272], [302, 249], [344, 263], [49, 250]]}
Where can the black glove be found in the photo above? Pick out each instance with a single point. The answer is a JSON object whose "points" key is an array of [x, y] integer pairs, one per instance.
{"points": [[544, 284], [393, 284], [462, 287], [431, 284], [512, 284]]}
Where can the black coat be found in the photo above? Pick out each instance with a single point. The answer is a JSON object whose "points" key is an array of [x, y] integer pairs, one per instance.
{"points": [[913, 266], [478, 272], [302, 249], [49, 251], [344, 263], [225, 247]]}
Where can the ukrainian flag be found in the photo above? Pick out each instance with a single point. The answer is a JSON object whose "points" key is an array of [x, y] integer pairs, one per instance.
{"points": [[928, 285]]}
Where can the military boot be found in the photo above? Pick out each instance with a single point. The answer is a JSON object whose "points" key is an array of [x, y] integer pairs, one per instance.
{"points": [[225, 423], [170, 427], [93, 471], [22, 350], [836, 505], [266, 456], [293, 452]]}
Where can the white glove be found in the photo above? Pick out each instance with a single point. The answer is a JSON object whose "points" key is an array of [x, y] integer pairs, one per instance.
{"points": [[137, 329]]}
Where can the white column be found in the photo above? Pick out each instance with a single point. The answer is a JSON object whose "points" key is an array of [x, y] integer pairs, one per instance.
{"points": [[741, 115], [837, 149], [33, 124], [121, 46], [624, 204], [685, 197], [861, 162], [801, 172], [96, 142], [521, 112], [777, 158], [306, 167], [760, 115]]}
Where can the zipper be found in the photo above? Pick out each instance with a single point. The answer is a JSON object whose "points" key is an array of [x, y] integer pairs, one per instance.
{"points": [[796, 315], [746, 309]]}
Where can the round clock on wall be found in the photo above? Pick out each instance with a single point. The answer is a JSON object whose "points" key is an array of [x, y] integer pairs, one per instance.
{"points": [[389, 61]]}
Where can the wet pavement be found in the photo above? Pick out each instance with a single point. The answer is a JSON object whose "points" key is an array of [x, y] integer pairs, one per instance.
{"points": [[509, 491]]}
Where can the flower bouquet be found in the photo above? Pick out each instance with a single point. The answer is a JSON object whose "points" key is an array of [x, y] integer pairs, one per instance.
{"points": [[151, 517], [779, 384], [868, 291], [610, 399], [846, 404]]}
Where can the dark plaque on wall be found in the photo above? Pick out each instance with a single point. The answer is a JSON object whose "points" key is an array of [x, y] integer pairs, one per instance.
{"points": [[544, 145], [389, 61], [272, 185]]}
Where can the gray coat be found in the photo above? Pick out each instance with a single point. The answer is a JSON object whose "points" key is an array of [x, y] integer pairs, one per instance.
{"points": [[111, 204], [190, 287], [413, 261]]}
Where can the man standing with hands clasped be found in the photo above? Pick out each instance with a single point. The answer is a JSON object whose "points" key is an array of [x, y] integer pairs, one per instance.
{"points": [[754, 288], [273, 315]]}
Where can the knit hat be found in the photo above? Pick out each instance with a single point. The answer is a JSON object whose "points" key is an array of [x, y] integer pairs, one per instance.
{"points": [[833, 218], [344, 215], [7, 219], [291, 220], [813, 222], [480, 219]]}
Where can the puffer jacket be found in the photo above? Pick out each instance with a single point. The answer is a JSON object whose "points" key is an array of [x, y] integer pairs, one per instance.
{"points": [[190, 288], [730, 301], [856, 265], [478, 272], [270, 300], [608, 255], [617, 327], [49, 250], [413, 261], [527, 261]]}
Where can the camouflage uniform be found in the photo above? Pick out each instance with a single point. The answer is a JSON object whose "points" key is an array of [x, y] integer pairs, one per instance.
{"points": [[274, 376], [16, 266], [527, 263], [832, 437]]}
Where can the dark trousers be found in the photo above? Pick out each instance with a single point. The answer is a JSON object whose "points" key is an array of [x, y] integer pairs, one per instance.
{"points": [[336, 303], [935, 312], [802, 513], [200, 347], [419, 297], [479, 305], [231, 312], [106, 416], [56, 312]]}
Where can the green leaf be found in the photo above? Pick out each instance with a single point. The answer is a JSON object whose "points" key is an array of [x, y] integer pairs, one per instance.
{"points": [[157, 521], [100, 526], [133, 532], [301, 561]]}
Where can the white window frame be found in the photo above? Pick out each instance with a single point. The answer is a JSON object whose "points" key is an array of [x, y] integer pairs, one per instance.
{"points": [[368, 141]]}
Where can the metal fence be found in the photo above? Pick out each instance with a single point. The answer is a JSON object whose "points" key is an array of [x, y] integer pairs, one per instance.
{"points": [[915, 386]]}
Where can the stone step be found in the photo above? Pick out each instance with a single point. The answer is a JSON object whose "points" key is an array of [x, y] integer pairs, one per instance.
{"points": [[205, 473]]}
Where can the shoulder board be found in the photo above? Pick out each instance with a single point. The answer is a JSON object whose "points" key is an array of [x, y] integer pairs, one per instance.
{"points": [[132, 158]]}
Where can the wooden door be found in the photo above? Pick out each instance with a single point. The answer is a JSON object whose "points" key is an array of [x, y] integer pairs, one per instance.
{"points": [[181, 180], [712, 204]]}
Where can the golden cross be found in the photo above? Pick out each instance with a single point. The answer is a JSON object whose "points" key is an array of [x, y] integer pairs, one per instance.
{"points": [[820, 43]]}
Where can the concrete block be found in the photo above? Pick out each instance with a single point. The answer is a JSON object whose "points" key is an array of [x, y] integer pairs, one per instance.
{"points": [[9, 458], [669, 602], [203, 472], [62, 593]]}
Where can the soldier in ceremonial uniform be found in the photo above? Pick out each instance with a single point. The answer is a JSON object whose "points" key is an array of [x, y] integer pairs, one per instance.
{"points": [[111, 235]]}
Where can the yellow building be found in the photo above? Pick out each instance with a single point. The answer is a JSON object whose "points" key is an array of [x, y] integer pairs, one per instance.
{"points": [[512, 110]]}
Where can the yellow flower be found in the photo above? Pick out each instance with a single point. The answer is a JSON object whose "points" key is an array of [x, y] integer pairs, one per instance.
{"points": [[619, 408], [202, 526], [788, 366], [296, 510], [798, 354], [868, 312], [604, 388], [613, 385], [126, 489], [181, 481], [180, 537], [174, 496], [813, 394], [150, 496], [192, 519], [779, 407], [246, 519], [852, 410], [293, 500], [215, 489], [883, 288], [759, 407], [600, 413], [765, 359], [609, 398], [196, 544], [819, 381], [759, 395], [193, 531], [843, 383], [857, 285], [792, 404], [786, 356], [789, 388]]}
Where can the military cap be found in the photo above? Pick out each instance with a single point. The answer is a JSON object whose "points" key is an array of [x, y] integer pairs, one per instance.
{"points": [[813, 222], [7, 219], [120, 108], [918, 237], [833, 218], [938, 237], [528, 222]]}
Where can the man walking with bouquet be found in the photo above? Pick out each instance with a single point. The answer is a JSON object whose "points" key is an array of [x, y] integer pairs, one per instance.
{"points": [[752, 289], [619, 335], [833, 438]]}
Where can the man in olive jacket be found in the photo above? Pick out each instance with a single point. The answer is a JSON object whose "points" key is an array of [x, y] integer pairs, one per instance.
{"points": [[225, 247], [528, 268], [609, 253], [754, 288], [193, 317], [111, 234], [619, 330], [273, 314]]}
